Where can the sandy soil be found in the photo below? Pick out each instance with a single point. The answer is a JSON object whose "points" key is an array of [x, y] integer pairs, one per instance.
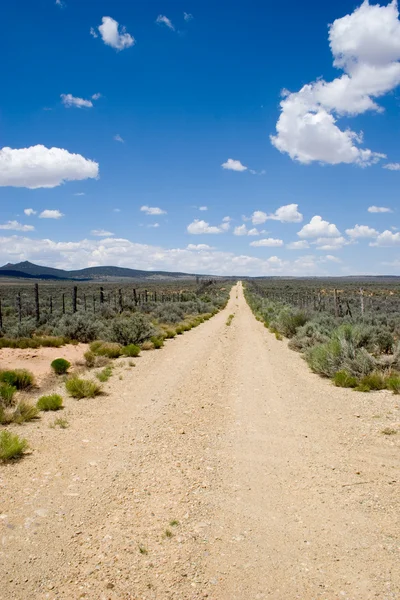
{"points": [[38, 360], [218, 467]]}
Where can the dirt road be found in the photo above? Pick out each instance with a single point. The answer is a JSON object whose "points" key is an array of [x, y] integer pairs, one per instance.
{"points": [[219, 468]]}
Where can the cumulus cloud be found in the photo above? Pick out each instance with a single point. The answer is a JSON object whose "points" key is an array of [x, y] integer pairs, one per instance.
{"points": [[187, 17], [198, 227], [269, 242], [29, 212], [285, 214], [101, 233], [242, 230], [51, 214], [392, 166], [16, 226], [203, 207], [330, 243], [331, 258], [361, 231], [300, 245], [113, 35], [366, 46], [318, 228], [152, 210], [199, 247], [379, 209], [118, 138], [69, 100], [163, 20], [387, 239], [233, 165], [41, 167]]}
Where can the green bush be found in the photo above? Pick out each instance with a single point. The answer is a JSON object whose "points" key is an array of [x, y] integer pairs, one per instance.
{"points": [[18, 378], [81, 327], [60, 366], [393, 384], [158, 342], [52, 402], [109, 349], [131, 350], [11, 446], [170, 334], [131, 330], [7, 392], [82, 388], [104, 375], [345, 380], [90, 358], [24, 412], [375, 381]]}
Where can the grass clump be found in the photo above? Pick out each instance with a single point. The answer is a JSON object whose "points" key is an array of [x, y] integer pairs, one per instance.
{"points": [[105, 374], [345, 380], [389, 431], [11, 446], [108, 349], [7, 392], [131, 350], [82, 388], [375, 381], [168, 533], [229, 320], [24, 412], [52, 402], [157, 342], [170, 334], [60, 366], [59, 422], [174, 523], [148, 345], [18, 378], [393, 384]]}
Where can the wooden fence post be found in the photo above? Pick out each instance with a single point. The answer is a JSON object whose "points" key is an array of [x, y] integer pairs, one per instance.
{"points": [[51, 304], [74, 299], [335, 299], [135, 298], [37, 309], [63, 304], [101, 295]]}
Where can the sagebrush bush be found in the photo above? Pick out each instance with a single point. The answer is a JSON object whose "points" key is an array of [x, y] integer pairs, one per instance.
{"points": [[131, 350], [82, 327], [11, 446], [60, 366], [132, 330], [109, 349], [7, 393], [52, 402], [18, 378], [82, 388]]}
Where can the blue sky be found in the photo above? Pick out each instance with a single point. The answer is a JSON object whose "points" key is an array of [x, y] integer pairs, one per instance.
{"points": [[171, 106]]}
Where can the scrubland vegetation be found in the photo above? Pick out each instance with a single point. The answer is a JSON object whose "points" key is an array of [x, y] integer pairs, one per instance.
{"points": [[351, 336]]}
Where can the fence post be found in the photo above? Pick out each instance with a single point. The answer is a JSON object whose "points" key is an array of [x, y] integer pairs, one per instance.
{"points": [[101, 295], [63, 304], [74, 299], [51, 304], [145, 296], [135, 298], [37, 309], [335, 299], [84, 302], [94, 304]]}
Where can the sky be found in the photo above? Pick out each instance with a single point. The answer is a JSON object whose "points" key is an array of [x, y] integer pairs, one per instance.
{"points": [[230, 137]]}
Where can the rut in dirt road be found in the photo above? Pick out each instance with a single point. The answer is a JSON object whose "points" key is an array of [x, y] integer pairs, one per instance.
{"points": [[217, 468]]}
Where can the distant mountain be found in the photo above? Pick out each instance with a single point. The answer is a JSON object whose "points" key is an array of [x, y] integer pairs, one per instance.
{"points": [[29, 270]]}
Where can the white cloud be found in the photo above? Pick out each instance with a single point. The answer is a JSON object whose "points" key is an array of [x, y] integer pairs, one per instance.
{"points": [[253, 231], [69, 100], [300, 245], [60, 3], [114, 36], [366, 46], [163, 20], [242, 230], [361, 231], [154, 225], [16, 226], [29, 212], [258, 217], [269, 242], [226, 224], [187, 17], [285, 214], [101, 233], [203, 207], [233, 165], [96, 96], [199, 247], [198, 227], [93, 32], [79, 194], [152, 210], [51, 214], [379, 209], [118, 138], [387, 239], [331, 258], [41, 167], [117, 210], [317, 227], [331, 243]]}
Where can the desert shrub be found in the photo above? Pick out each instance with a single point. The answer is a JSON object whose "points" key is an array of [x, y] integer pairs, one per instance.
{"points": [[345, 380], [82, 327], [169, 334], [393, 383], [169, 313], [105, 374], [337, 354], [385, 342], [131, 330], [11, 446], [18, 378], [309, 335], [82, 388], [109, 349], [157, 342], [179, 330], [90, 358], [25, 329], [131, 350], [60, 366], [289, 321], [50, 341], [7, 392], [374, 381], [24, 412], [52, 402], [148, 345]]}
